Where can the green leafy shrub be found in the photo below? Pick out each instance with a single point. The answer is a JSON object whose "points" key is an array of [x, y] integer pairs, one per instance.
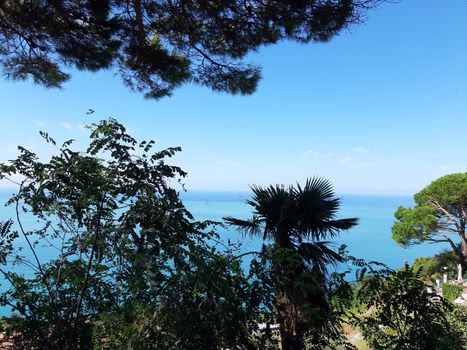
{"points": [[458, 320], [404, 316], [433, 267], [451, 291]]}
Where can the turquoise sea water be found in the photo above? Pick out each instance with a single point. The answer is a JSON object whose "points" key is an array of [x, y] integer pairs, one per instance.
{"points": [[370, 240]]}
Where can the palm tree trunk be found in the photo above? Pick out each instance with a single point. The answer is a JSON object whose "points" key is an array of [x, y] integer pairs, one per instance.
{"points": [[291, 335]]}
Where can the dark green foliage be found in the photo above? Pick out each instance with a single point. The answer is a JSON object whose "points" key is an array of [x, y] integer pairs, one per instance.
{"points": [[458, 321], [439, 214], [451, 291], [297, 220], [401, 314], [131, 266], [212, 305], [158, 45]]}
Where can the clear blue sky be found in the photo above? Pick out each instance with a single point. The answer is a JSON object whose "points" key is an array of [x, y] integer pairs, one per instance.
{"points": [[380, 109]]}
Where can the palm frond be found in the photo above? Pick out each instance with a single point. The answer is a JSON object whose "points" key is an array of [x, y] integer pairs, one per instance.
{"points": [[343, 224], [317, 185], [266, 198], [284, 214], [249, 227], [316, 208], [274, 205], [320, 252], [330, 229]]}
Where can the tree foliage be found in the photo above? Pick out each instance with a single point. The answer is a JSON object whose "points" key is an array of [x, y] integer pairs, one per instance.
{"points": [[156, 46], [433, 267], [297, 220], [458, 321], [127, 266], [439, 214], [403, 315]]}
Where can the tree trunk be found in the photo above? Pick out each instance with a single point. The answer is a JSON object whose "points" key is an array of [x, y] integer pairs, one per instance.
{"points": [[290, 342], [291, 336], [463, 261], [288, 314]]}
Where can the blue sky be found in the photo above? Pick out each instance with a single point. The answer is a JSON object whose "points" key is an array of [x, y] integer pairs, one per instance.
{"points": [[380, 109]]}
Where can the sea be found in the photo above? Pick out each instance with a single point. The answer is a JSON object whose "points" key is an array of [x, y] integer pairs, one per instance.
{"points": [[370, 239]]}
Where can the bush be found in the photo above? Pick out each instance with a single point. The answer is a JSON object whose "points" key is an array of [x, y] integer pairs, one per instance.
{"points": [[403, 314], [433, 267], [451, 291]]}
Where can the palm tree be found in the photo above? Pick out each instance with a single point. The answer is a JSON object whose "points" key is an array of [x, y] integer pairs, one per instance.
{"points": [[298, 222]]}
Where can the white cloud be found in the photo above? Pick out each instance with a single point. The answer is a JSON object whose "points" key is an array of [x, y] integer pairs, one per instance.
{"points": [[360, 149], [66, 125], [311, 152], [347, 159]]}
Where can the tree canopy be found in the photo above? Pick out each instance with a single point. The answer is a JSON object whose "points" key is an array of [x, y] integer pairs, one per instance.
{"points": [[126, 266], [156, 46], [439, 216]]}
